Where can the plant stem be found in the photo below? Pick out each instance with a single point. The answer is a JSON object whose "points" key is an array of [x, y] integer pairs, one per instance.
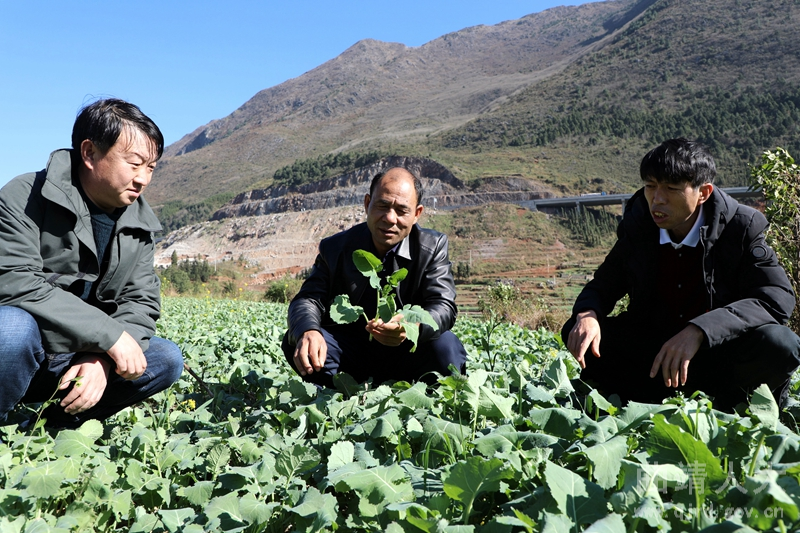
{"points": [[755, 455]]}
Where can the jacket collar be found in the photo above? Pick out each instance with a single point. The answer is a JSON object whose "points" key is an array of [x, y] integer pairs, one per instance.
{"points": [[58, 188], [720, 209]]}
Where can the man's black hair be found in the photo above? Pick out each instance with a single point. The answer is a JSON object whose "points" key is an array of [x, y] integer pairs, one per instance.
{"points": [[103, 121], [417, 183], [677, 161]]}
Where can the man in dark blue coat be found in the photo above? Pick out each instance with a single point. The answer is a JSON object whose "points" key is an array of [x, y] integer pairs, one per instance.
{"points": [[318, 349], [708, 299]]}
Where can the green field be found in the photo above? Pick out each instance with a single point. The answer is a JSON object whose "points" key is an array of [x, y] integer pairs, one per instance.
{"points": [[249, 447]]}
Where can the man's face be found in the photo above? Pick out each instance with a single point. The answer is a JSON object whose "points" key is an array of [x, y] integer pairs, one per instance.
{"points": [[118, 177], [392, 210], [675, 207]]}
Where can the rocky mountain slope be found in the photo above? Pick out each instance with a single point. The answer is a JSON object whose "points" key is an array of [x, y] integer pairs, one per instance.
{"points": [[558, 102], [377, 90]]}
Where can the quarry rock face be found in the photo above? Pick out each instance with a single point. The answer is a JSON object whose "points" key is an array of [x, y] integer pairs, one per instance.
{"points": [[441, 190]]}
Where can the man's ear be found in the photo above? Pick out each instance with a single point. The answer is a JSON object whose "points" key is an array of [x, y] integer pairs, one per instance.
{"points": [[419, 211], [366, 202], [705, 192], [89, 153]]}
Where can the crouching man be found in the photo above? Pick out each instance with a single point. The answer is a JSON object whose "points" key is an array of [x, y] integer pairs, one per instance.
{"points": [[708, 298], [318, 349], [79, 296]]}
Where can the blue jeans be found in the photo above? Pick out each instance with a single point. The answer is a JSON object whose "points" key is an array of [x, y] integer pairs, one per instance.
{"points": [[31, 375], [351, 351]]}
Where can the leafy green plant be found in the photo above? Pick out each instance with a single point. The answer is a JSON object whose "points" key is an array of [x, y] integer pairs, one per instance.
{"points": [[257, 449], [779, 179], [411, 316]]}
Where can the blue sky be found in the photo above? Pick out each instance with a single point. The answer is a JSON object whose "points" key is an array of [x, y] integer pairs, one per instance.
{"points": [[187, 63]]}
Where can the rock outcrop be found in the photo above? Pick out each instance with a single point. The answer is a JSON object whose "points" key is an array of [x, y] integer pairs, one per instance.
{"points": [[442, 190]]}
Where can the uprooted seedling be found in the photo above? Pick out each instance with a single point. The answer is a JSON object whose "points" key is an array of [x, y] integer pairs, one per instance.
{"points": [[410, 316]]}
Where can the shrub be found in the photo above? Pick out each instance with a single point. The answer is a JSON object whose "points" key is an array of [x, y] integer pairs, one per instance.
{"points": [[779, 179], [282, 290], [505, 301]]}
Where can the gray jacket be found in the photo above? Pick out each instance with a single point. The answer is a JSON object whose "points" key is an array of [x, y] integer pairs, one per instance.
{"points": [[429, 283], [48, 253]]}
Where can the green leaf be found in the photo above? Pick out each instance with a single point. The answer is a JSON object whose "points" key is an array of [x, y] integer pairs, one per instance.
{"points": [[601, 402], [416, 397], [298, 458], [198, 493], [557, 377], [42, 481], [556, 523], [384, 426], [556, 421], [396, 277], [387, 306], [412, 333], [643, 483], [92, 429], [493, 405], [764, 407], [767, 497], [610, 524], [416, 314], [581, 500], [175, 519], [668, 443], [320, 508], [343, 312], [366, 262], [225, 512], [607, 460], [72, 442], [341, 454], [369, 266], [467, 479], [378, 487], [255, 511]]}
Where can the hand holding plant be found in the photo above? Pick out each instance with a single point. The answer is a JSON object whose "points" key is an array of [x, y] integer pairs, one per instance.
{"points": [[408, 318]]}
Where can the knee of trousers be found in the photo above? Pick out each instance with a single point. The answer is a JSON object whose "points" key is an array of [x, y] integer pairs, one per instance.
{"points": [[19, 334], [447, 350], [170, 359], [780, 344]]}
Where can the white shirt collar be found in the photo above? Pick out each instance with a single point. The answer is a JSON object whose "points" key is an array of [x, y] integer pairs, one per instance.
{"points": [[691, 239]]}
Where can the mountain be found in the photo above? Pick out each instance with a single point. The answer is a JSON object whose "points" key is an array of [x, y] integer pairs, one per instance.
{"points": [[377, 91], [571, 97]]}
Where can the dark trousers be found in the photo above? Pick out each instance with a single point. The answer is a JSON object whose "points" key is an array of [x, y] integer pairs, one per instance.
{"points": [[728, 372], [352, 352]]}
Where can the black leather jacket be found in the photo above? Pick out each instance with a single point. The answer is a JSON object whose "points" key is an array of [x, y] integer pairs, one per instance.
{"points": [[429, 283], [746, 287]]}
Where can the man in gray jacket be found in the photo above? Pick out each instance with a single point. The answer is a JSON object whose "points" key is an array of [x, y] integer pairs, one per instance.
{"points": [[318, 349], [708, 299], [79, 296]]}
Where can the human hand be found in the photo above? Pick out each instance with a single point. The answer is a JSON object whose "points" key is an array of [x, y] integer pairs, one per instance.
{"points": [[310, 353], [585, 335], [675, 354], [387, 333], [126, 353], [93, 373]]}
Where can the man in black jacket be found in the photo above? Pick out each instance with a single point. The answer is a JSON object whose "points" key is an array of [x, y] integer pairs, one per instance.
{"points": [[704, 289], [317, 348]]}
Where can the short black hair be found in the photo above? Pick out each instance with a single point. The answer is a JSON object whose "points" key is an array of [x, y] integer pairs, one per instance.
{"points": [[677, 161], [103, 121], [417, 182]]}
